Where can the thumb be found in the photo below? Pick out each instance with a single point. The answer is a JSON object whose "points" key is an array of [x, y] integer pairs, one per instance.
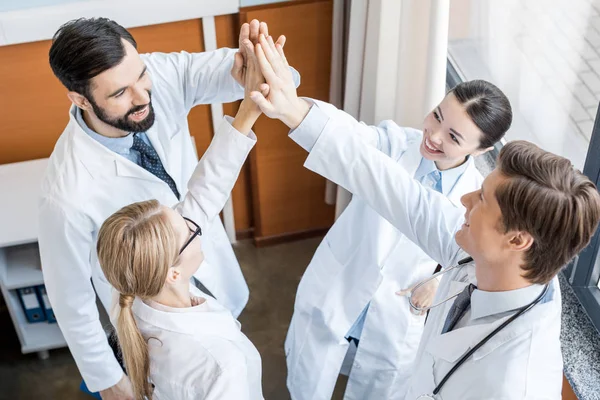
{"points": [[264, 89], [238, 61], [260, 100], [404, 292]]}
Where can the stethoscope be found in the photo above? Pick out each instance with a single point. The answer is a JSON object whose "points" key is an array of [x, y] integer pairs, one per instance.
{"points": [[464, 358]]}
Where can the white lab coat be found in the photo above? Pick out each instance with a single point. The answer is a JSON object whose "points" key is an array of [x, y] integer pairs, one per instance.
{"points": [[199, 352], [85, 183], [363, 259], [523, 361]]}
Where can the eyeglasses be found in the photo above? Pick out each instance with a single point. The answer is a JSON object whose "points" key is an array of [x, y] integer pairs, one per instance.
{"points": [[195, 232]]}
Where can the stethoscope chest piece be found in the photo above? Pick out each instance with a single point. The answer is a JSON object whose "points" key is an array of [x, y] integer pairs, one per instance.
{"points": [[425, 397]]}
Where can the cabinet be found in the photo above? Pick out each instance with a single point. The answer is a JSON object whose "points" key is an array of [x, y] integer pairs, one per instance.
{"points": [[20, 265]]}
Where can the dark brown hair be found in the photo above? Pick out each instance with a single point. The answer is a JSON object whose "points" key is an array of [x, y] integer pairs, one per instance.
{"points": [[488, 108], [552, 201], [84, 48]]}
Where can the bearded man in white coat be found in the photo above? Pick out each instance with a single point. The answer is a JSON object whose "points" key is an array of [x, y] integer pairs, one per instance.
{"points": [[127, 140]]}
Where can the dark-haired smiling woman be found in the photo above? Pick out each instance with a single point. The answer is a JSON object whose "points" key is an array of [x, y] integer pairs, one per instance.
{"points": [[348, 294]]}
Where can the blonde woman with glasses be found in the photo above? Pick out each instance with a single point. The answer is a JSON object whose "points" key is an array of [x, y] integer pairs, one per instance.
{"points": [[178, 342]]}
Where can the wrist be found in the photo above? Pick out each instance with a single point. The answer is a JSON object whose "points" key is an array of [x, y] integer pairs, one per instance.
{"points": [[246, 117], [296, 114]]}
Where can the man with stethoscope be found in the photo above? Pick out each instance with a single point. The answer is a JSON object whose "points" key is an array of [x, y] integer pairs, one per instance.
{"points": [[494, 329]]}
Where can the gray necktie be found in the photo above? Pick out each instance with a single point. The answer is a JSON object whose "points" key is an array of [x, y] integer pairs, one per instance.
{"points": [[459, 307]]}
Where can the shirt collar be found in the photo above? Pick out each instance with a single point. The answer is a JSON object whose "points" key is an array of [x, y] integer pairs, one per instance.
{"points": [[484, 304], [209, 318], [449, 176], [120, 145]]}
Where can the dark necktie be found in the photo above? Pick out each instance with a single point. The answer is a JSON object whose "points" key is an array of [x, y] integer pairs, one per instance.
{"points": [[459, 307], [150, 161]]}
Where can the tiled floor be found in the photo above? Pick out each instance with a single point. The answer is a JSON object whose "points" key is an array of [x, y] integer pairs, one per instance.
{"points": [[272, 273], [545, 54]]}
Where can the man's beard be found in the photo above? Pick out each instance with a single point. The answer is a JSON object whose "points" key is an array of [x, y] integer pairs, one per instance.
{"points": [[124, 123]]}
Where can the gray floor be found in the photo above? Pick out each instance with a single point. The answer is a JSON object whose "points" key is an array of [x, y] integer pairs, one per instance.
{"points": [[272, 273]]}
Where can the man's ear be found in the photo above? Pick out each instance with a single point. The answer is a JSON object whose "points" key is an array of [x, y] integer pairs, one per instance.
{"points": [[521, 241], [79, 100]]}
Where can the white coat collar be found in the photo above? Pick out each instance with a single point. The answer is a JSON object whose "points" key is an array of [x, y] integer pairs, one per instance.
{"points": [[206, 319], [452, 345], [484, 304], [469, 181], [99, 160], [449, 177]]}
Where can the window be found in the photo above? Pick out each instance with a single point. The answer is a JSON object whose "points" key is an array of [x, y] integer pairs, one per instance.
{"points": [[584, 274], [545, 55]]}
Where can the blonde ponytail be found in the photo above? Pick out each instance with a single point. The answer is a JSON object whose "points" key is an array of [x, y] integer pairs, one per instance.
{"points": [[134, 349], [136, 246]]}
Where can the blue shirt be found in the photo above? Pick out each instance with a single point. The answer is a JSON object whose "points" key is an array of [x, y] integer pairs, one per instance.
{"points": [[430, 176], [120, 145]]}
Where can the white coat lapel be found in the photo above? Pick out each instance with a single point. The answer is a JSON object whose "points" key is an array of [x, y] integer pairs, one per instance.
{"points": [[411, 158], [469, 181], [100, 161], [216, 321], [163, 135]]}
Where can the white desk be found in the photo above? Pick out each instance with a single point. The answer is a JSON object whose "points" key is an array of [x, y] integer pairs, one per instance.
{"points": [[19, 254]]}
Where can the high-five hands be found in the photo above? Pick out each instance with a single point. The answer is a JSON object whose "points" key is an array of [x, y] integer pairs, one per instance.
{"points": [[249, 31], [281, 101]]}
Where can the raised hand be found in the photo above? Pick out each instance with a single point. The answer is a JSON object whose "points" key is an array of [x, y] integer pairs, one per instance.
{"points": [[249, 31], [282, 101]]}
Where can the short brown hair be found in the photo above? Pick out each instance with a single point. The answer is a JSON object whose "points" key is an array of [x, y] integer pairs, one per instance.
{"points": [[552, 201]]}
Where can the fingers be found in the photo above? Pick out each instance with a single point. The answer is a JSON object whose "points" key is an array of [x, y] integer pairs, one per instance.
{"points": [[264, 89], [254, 28], [271, 54], [248, 47], [266, 48], [282, 54], [263, 29], [244, 32], [261, 102], [281, 41], [264, 64]]}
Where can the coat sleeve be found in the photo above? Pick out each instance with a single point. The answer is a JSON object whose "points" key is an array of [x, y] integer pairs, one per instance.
{"points": [[216, 174], [65, 242], [198, 78], [426, 217], [387, 136]]}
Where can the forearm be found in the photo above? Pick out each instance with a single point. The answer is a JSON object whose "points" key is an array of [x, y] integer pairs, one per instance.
{"points": [[425, 217], [217, 171]]}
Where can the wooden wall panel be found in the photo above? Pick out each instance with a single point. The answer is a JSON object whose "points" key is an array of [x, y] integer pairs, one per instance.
{"points": [[287, 198], [34, 108]]}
